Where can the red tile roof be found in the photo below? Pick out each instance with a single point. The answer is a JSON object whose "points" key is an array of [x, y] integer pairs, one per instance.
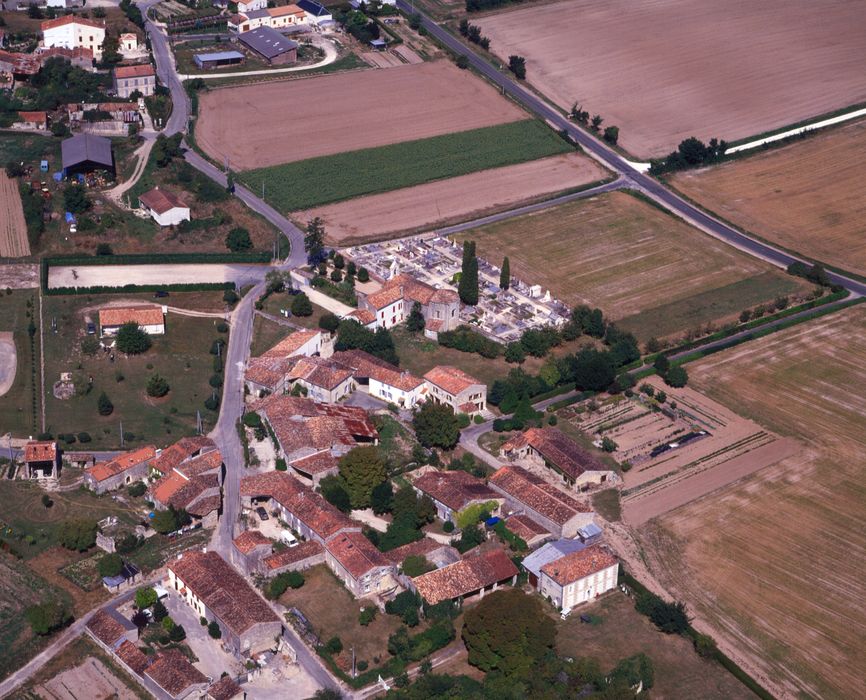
{"points": [[293, 555], [138, 71], [269, 372], [248, 540], [316, 464], [178, 452], [454, 489], [466, 576], [173, 672], [356, 554], [71, 19], [317, 371], [365, 365], [142, 315], [419, 548], [201, 464], [36, 117], [289, 345], [105, 627], [159, 200], [580, 564], [525, 527], [166, 487], [121, 463], [385, 297], [362, 316], [558, 449], [536, 494], [224, 689], [285, 10], [451, 379], [223, 590], [40, 451], [132, 656]]}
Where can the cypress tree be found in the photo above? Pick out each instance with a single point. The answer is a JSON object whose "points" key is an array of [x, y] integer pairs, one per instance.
{"points": [[505, 275]]}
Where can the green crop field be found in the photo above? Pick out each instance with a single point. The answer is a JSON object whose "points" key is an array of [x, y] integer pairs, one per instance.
{"points": [[326, 179], [19, 407]]}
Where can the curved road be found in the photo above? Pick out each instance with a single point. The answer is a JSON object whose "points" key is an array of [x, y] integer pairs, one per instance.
{"points": [[610, 158]]}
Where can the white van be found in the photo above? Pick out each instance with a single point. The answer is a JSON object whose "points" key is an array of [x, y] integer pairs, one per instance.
{"points": [[288, 538]]}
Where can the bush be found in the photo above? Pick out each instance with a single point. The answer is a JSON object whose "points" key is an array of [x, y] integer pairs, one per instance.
{"points": [[110, 565], [301, 305], [677, 377], [463, 61], [282, 582], [670, 618], [230, 297], [78, 535], [47, 617], [84, 437], [367, 615], [90, 345], [216, 381], [213, 629], [145, 597], [448, 526], [136, 489], [157, 386], [329, 322], [334, 645], [132, 339]]}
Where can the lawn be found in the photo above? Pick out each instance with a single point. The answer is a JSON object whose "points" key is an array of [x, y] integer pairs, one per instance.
{"points": [[315, 181], [606, 504], [619, 631], [19, 407], [182, 356], [30, 148], [333, 611], [266, 334], [773, 564], [627, 257], [276, 303]]}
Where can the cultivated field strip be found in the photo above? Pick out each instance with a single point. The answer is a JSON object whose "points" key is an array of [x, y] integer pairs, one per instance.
{"points": [[13, 228]]}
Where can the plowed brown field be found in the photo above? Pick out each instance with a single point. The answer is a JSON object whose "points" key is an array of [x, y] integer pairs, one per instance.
{"points": [[807, 196], [455, 199], [257, 126], [775, 563], [664, 70], [13, 229]]}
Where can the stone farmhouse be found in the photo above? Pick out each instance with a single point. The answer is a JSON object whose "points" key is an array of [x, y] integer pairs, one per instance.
{"points": [[313, 436], [120, 471], [42, 460], [554, 510], [71, 32], [110, 629], [363, 569], [176, 676], [453, 492], [181, 451], [579, 577], [297, 558], [475, 574], [209, 585], [455, 388], [130, 79], [553, 449], [393, 303], [269, 373], [436, 553], [194, 485], [382, 379], [150, 318], [528, 530]]}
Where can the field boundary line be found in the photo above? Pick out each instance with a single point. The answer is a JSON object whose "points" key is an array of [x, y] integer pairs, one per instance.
{"points": [[41, 361]]}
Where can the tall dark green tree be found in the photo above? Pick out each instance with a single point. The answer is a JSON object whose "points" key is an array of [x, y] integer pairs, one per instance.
{"points": [[314, 239], [468, 285], [362, 469], [505, 274], [436, 425], [415, 322]]}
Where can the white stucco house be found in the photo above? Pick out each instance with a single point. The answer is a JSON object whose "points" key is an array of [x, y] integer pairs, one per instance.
{"points": [[579, 577], [164, 207], [149, 317], [71, 32]]}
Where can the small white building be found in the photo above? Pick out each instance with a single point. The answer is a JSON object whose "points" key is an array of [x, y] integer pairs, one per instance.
{"points": [[579, 577], [164, 207], [64, 4], [150, 318], [245, 6], [317, 13], [71, 32]]}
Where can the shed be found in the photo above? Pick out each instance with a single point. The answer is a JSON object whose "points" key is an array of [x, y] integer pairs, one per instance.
{"points": [[218, 58], [552, 551], [84, 153], [379, 44], [270, 45]]}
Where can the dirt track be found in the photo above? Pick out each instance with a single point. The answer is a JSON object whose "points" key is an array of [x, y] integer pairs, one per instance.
{"points": [[663, 71], [13, 229], [120, 275], [279, 122], [459, 198]]}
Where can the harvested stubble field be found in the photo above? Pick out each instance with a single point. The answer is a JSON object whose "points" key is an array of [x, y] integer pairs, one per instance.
{"points": [[663, 71], [316, 181], [655, 274], [806, 197], [456, 199], [775, 563], [281, 122], [13, 229]]}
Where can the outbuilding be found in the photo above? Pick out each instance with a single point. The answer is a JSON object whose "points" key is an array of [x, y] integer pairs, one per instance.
{"points": [[85, 153], [216, 59], [270, 45], [164, 207]]}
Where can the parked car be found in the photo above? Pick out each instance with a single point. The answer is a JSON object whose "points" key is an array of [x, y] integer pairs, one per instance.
{"points": [[91, 328], [262, 513], [160, 294]]}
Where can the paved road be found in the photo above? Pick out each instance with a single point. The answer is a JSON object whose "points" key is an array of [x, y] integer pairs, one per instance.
{"points": [[610, 158]]}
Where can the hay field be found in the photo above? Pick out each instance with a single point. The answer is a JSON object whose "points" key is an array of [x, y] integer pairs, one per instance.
{"points": [[775, 563], [13, 229], [663, 71], [635, 262], [455, 199], [807, 196], [262, 125]]}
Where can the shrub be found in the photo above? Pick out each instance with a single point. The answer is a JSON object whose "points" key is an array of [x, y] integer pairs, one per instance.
{"points": [[329, 322], [84, 437], [670, 618], [47, 617], [222, 327], [136, 489], [157, 386], [211, 403], [677, 377], [367, 615], [282, 582], [301, 305], [281, 465], [463, 61], [145, 597], [230, 297], [216, 381], [90, 345], [448, 526], [213, 629], [334, 645], [110, 565]]}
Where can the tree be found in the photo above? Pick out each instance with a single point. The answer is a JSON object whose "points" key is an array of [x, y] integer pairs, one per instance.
{"points": [[367, 615], [110, 565], [517, 65], [692, 150], [436, 425], [509, 632], [505, 274], [462, 61], [363, 275], [157, 386], [467, 287], [611, 134], [78, 535], [177, 633], [415, 322], [47, 617], [238, 240], [314, 240], [362, 469], [213, 629], [593, 370], [334, 491], [329, 322], [670, 618], [104, 405], [336, 275], [159, 611], [145, 597], [515, 353], [334, 645], [662, 364], [470, 538], [165, 521], [140, 619], [415, 565], [75, 199], [230, 182], [677, 377], [46, 501], [230, 297], [132, 339], [301, 305], [608, 445], [382, 498], [596, 122]]}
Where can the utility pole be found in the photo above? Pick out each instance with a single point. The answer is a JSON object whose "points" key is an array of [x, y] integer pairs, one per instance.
{"points": [[121, 433]]}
